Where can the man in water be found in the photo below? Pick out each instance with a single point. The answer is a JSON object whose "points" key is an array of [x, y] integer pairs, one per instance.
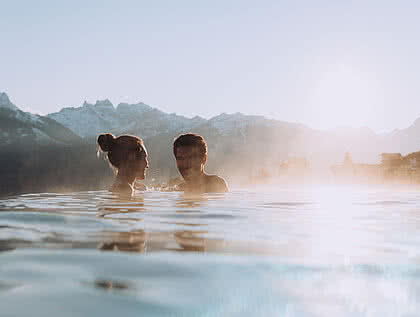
{"points": [[190, 152]]}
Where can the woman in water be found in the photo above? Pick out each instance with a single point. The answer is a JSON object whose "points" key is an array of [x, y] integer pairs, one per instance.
{"points": [[128, 155]]}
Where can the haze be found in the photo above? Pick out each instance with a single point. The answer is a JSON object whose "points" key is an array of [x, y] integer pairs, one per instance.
{"points": [[323, 63]]}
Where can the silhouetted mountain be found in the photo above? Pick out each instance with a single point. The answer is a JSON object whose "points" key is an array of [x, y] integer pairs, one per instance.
{"points": [[18, 127], [6, 103], [40, 154]]}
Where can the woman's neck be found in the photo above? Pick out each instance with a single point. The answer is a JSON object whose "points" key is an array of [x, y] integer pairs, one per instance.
{"points": [[123, 182]]}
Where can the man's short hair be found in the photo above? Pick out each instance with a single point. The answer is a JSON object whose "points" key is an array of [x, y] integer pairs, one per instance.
{"points": [[193, 140]]}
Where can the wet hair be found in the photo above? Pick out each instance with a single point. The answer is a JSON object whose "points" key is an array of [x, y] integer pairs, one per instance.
{"points": [[193, 140], [118, 148]]}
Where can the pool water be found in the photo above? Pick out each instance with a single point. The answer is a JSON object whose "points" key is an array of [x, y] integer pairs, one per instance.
{"points": [[274, 251]]}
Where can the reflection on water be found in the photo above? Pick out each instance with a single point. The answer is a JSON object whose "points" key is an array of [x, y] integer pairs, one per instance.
{"points": [[288, 251], [309, 225], [133, 241]]}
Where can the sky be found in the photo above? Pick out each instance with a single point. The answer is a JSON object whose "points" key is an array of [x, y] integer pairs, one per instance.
{"points": [[321, 63]]}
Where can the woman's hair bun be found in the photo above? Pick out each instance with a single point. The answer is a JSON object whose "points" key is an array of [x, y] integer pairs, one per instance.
{"points": [[106, 142]]}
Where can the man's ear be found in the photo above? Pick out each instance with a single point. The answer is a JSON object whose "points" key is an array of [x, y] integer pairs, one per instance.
{"points": [[204, 158]]}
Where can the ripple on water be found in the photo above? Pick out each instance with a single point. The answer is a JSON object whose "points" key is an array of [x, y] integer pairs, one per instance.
{"points": [[168, 283], [286, 252]]}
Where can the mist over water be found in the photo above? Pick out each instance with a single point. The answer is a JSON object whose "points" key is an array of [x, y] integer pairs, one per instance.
{"points": [[289, 251], [310, 113]]}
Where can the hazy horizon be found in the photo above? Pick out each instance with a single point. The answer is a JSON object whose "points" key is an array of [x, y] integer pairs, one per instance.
{"points": [[324, 65]]}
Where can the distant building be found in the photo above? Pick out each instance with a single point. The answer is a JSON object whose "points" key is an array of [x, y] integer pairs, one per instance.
{"points": [[401, 169], [350, 172], [391, 160], [413, 160]]}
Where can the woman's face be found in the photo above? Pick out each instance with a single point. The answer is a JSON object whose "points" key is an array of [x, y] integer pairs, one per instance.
{"points": [[141, 163]]}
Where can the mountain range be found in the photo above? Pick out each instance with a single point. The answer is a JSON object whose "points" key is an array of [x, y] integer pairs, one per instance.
{"points": [[76, 124], [17, 127], [238, 144]]}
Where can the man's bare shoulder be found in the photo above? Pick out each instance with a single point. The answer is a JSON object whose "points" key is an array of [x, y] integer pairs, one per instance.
{"points": [[216, 184]]}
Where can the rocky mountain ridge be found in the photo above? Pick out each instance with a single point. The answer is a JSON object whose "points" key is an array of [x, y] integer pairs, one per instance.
{"points": [[279, 139], [19, 127]]}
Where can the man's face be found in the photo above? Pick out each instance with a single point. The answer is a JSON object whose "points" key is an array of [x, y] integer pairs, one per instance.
{"points": [[189, 161]]}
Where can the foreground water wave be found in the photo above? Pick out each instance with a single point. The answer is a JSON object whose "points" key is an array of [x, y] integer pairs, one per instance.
{"points": [[291, 251]]}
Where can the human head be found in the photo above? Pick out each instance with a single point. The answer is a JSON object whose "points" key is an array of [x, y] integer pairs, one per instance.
{"points": [[126, 153], [190, 151]]}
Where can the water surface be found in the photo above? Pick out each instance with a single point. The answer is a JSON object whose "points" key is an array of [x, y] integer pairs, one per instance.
{"points": [[301, 251]]}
